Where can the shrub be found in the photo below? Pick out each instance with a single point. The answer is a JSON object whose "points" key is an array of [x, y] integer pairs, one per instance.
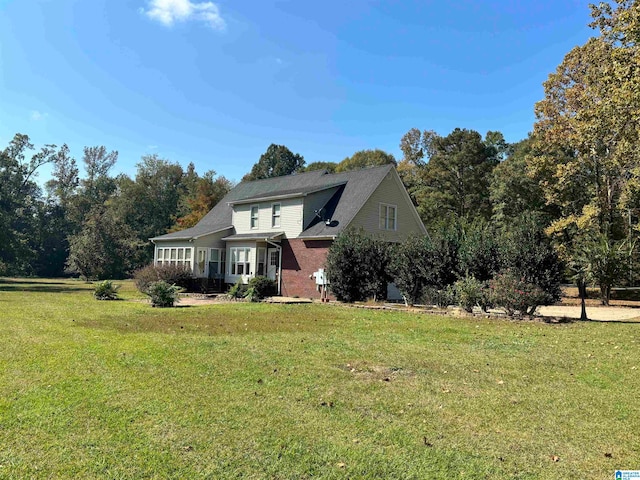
{"points": [[239, 290], [514, 294], [106, 290], [470, 293], [172, 274], [252, 295], [440, 297], [263, 287], [357, 266], [526, 251], [163, 294]]}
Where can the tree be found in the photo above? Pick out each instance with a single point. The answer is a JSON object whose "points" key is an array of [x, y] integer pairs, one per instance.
{"points": [[455, 180], [277, 161], [591, 112], [103, 249], [366, 158], [513, 191], [20, 200], [330, 167], [149, 204], [602, 262], [527, 252], [479, 253], [357, 266], [208, 192]]}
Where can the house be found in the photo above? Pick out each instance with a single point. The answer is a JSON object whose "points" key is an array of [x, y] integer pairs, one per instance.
{"points": [[282, 227]]}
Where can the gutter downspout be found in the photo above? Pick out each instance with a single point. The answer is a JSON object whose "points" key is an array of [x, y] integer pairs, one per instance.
{"points": [[279, 248]]}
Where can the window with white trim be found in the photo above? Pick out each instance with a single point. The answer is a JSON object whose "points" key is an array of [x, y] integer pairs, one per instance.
{"points": [[254, 216], [240, 260], [174, 256], [388, 217], [275, 215]]}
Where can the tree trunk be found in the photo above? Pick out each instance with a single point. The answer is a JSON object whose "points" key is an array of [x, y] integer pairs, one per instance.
{"points": [[582, 288]]}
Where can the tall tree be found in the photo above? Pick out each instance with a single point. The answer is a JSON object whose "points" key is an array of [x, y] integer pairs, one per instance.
{"points": [[455, 180], [19, 202], [206, 195], [366, 158], [513, 191], [277, 161], [587, 132]]}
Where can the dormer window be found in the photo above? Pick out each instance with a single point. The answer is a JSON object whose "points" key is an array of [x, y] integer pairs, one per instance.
{"points": [[254, 216], [275, 215], [388, 217]]}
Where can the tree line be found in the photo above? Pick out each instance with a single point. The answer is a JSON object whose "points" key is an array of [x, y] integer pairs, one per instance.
{"points": [[97, 225], [576, 175]]}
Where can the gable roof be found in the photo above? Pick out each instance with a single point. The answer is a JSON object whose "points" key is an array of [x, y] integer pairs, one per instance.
{"points": [[353, 189]]}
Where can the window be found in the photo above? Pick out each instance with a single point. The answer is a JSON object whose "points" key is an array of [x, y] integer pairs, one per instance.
{"points": [[174, 256], [387, 217], [240, 261], [254, 216], [275, 215], [262, 260], [216, 262]]}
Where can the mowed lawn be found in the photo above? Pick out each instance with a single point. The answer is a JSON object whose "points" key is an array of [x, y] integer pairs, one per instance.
{"points": [[93, 389]]}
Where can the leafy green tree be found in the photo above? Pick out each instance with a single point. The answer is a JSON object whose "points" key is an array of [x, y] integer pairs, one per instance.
{"points": [[479, 253], [422, 262], [20, 201], [513, 191], [149, 203], [366, 158], [602, 262], [330, 167], [449, 176], [103, 249], [277, 161], [526, 251], [357, 266]]}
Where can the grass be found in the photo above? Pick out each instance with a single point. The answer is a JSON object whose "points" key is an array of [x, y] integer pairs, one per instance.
{"points": [[92, 389]]}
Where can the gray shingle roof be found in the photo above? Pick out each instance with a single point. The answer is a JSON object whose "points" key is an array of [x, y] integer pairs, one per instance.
{"points": [[353, 190]]}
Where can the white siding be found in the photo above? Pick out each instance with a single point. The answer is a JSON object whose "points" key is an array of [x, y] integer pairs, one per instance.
{"points": [[290, 217], [390, 192]]}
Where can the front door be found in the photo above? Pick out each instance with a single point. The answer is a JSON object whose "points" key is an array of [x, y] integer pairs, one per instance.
{"points": [[201, 263], [273, 257]]}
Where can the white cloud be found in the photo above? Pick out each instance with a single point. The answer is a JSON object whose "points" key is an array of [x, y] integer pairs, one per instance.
{"points": [[169, 12], [36, 115]]}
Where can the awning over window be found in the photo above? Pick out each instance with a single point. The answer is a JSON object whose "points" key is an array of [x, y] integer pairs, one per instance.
{"points": [[254, 236]]}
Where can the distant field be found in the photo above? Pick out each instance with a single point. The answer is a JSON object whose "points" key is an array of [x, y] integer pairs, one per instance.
{"points": [[93, 389]]}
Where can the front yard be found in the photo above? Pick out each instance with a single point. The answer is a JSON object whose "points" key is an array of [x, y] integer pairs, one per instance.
{"points": [[93, 389]]}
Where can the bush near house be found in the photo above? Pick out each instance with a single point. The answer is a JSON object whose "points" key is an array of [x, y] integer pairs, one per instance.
{"points": [[163, 294], [357, 266], [262, 287], [172, 274]]}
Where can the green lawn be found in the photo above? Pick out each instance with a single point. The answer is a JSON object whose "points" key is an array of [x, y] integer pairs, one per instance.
{"points": [[93, 389]]}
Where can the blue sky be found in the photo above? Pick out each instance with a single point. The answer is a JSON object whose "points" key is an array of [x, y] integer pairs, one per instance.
{"points": [[216, 83]]}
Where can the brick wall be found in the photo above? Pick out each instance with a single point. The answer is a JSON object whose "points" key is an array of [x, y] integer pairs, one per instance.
{"points": [[300, 259]]}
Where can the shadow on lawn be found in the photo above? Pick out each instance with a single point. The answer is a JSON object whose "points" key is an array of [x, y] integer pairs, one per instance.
{"points": [[37, 285]]}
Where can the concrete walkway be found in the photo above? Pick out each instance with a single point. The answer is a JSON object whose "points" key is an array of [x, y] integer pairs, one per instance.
{"points": [[607, 314]]}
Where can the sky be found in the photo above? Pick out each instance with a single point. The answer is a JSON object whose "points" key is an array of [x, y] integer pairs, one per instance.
{"points": [[215, 83]]}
